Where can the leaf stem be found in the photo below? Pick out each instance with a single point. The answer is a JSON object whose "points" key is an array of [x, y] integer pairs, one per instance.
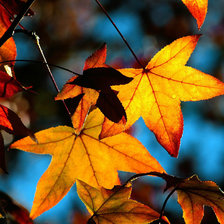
{"points": [[9, 32], [37, 38], [119, 32], [165, 202], [136, 176]]}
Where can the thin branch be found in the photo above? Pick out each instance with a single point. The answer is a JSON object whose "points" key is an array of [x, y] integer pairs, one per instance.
{"points": [[40, 62], [119, 32], [165, 202], [9, 32], [136, 176], [49, 70]]}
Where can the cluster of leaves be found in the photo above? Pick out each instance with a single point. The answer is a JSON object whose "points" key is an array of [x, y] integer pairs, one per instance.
{"points": [[104, 103]]}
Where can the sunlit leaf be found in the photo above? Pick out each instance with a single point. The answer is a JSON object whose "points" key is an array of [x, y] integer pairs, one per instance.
{"points": [[194, 194], [89, 96], [11, 123], [156, 91], [97, 59], [84, 157], [8, 85], [198, 9], [99, 79], [114, 206]]}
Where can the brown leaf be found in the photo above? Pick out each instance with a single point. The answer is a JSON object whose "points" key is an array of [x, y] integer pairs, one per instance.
{"points": [[194, 194], [114, 206]]}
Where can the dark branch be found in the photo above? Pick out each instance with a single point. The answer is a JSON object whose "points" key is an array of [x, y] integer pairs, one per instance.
{"points": [[119, 32], [9, 32]]}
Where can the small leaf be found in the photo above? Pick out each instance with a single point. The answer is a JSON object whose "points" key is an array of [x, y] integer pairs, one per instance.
{"points": [[83, 157], [97, 59], [194, 194], [11, 123], [114, 206], [95, 82], [100, 78], [8, 85], [198, 9], [111, 106]]}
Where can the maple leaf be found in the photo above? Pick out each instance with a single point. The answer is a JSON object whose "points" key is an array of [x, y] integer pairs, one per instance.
{"points": [[83, 157], [114, 206], [198, 9], [11, 123], [193, 194], [156, 91], [94, 85]]}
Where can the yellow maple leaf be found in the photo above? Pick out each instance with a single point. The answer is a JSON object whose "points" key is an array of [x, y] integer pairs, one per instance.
{"points": [[84, 157], [156, 91]]}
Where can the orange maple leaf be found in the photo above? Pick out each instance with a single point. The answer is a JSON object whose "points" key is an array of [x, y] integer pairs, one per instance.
{"points": [[198, 9], [193, 194], [156, 91], [84, 157], [114, 206]]}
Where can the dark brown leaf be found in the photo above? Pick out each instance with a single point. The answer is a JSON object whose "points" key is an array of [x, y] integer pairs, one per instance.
{"points": [[101, 78]]}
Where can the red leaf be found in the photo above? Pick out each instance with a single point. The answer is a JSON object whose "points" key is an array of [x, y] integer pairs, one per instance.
{"points": [[8, 85], [13, 7], [11, 123]]}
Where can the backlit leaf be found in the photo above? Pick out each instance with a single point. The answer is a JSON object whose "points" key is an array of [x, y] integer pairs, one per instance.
{"points": [[94, 85], [8, 85], [194, 194], [198, 9], [114, 206], [11, 123], [156, 91], [83, 157], [97, 59], [89, 96]]}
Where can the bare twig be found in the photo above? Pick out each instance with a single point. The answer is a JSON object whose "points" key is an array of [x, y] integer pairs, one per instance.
{"points": [[49, 70], [119, 32]]}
